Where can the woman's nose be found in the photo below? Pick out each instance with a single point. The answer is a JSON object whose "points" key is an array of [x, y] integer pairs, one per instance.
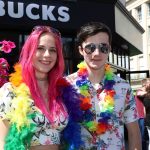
{"points": [[47, 53]]}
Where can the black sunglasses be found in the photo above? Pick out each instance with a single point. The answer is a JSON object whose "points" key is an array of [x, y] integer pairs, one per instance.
{"points": [[50, 29], [102, 47]]}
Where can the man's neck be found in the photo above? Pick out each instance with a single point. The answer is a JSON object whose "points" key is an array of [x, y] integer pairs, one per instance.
{"points": [[96, 76]]}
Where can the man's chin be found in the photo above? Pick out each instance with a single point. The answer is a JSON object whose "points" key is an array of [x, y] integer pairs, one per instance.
{"points": [[97, 67]]}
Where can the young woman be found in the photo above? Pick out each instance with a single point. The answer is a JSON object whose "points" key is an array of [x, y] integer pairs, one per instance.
{"points": [[32, 112]]}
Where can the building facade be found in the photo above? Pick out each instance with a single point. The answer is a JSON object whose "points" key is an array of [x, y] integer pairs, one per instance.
{"points": [[140, 10], [20, 16]]}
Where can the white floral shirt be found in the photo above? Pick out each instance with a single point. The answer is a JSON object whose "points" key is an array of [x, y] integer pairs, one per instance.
{"points": [[124, 112], [45, 133]]}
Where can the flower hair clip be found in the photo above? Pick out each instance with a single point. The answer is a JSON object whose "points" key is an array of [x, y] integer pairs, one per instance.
{"points": [[6, 47]]}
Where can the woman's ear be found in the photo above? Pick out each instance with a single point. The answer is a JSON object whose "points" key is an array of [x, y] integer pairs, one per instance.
{"points": [[80, 50]]}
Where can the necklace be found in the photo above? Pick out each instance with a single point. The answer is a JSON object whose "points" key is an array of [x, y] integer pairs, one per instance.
{"points": [[107, 107]]}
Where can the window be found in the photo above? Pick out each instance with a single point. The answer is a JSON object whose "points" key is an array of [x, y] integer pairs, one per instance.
{"points": [[22, 39], [124, 61], [127, 61], [115, 59], [141, 67], [132, 68], [132, 64], [67, 47], [115, 55], [148, 9], [141, 64], [110, 57], [139, 13], [119, 60], [148, 32], [71, 55]]}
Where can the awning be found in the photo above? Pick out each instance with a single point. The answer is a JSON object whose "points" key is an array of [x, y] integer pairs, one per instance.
{"points": [[128, 30]]}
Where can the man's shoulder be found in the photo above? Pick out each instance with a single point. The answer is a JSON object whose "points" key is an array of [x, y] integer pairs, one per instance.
{"points": [[118, 79], [122, 83]]}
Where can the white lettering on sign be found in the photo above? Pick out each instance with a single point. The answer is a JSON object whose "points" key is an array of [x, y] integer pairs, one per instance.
{"points": [[2, 10], [35, 11], [11, 12], [64, 16], [29, 12], [48, 12]]}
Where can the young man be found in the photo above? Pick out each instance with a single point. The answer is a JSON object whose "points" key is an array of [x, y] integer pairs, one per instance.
{"points": [[105, 99]]}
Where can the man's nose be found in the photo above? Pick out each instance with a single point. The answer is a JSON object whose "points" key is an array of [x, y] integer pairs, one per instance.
{"points": [[97, 50]]}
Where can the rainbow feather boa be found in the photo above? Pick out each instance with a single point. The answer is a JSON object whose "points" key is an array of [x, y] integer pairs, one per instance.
{"points": [[84, 85], [22, 130]]}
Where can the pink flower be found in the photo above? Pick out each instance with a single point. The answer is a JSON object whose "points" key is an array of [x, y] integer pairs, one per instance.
{"points": [[7, 46], [3, 63], [3, 76], [3, 73]]}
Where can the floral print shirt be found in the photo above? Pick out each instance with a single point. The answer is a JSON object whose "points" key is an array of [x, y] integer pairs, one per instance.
{"points": [[124, 112], [45, 133]]}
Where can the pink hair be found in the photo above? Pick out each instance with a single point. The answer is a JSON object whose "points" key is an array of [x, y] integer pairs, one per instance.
{"points": [[28, 74]]}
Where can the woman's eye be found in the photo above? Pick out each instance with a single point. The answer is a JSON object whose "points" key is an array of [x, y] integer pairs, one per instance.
{"points": [[41, 48], [52, 50]]}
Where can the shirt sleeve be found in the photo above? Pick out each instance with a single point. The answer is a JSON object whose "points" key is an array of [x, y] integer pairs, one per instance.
{"points": [[130, 113], [5, 100]]}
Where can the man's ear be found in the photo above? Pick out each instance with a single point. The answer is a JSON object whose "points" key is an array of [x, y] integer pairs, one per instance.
{"points": [[80, 50]]}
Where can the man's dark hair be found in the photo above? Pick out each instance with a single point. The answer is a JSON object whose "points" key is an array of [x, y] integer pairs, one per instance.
{"points": [[90, 29]]}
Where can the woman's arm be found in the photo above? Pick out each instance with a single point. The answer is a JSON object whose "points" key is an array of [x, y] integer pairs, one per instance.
{"points": [[3, 133], [134, 137]]}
